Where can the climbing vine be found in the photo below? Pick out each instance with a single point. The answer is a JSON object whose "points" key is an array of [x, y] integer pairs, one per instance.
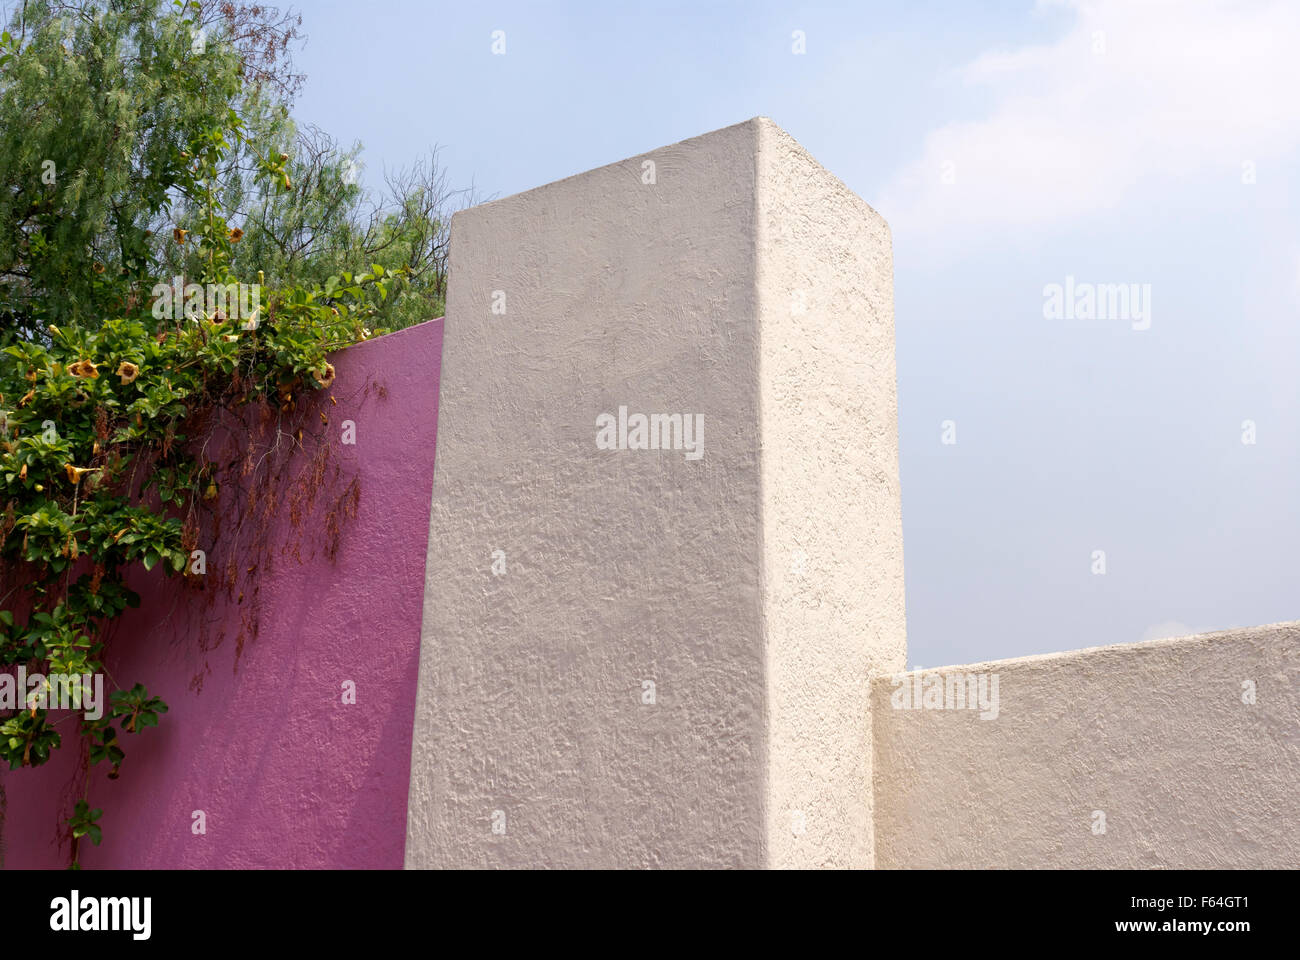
{"points": [[109, 425]]}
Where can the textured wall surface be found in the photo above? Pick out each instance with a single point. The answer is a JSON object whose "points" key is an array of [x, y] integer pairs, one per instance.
{"points": [[1155, 736], [641, 657], [621, 566], [641, 285], [258, 736], [832, 527]]}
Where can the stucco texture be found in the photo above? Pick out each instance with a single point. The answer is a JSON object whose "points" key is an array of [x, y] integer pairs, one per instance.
{"points": [[832, 526], [642, 284], [258, 736], [1154, 736]]}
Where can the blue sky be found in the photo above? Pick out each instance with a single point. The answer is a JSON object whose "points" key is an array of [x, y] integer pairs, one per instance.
{"points": [[1010, 146]]}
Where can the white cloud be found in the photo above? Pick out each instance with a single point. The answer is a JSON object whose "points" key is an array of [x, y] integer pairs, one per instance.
{"points": [[1183, 92]]}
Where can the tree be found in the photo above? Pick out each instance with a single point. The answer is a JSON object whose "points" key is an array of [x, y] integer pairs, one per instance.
{"points": [[142, 141], [99, 101]]}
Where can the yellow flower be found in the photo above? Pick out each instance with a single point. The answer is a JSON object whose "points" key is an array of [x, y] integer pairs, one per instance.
{"points": [[127, 371], [97, 267], [179, 235], [236, 235], [84, 369], [76, 473], [324, 379]]}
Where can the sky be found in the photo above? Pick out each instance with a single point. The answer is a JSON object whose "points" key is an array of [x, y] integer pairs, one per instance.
{"points": [[1069, 479]]}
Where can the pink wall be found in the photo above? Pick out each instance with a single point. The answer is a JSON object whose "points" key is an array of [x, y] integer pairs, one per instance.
{"points": [[258, 736]]}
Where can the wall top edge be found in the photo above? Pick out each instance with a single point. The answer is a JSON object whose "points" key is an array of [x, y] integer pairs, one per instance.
{"points": [[1115, 650], [753, 123], [414, 330]]}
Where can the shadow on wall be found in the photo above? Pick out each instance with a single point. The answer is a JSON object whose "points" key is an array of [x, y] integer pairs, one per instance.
{"points": [[320, 584]]}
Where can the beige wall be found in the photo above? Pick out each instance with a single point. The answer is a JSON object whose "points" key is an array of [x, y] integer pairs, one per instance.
{"points": [[760, 586], [833, 535], [1154, 735], [630, 566]]}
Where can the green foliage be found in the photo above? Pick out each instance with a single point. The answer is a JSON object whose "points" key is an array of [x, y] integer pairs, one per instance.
{"points": [[326, 223], [128, 156], [83, 822]]}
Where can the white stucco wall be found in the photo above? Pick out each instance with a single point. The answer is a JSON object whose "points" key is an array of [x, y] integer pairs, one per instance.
{"points": [[1155, 736], [832, 529], [634, 566], [759, 587]]}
